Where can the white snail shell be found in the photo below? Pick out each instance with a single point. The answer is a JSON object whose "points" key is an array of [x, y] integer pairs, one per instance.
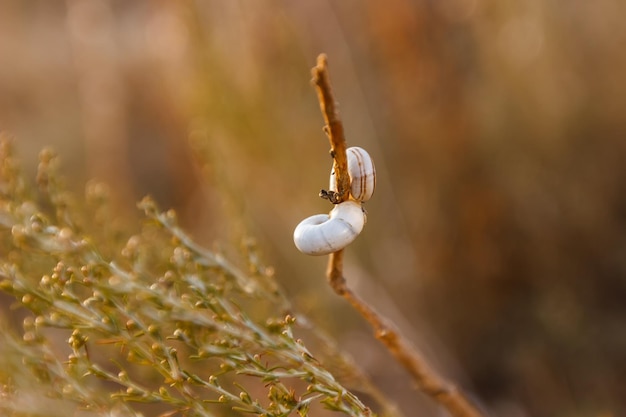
{"points": [[322, 234], [362, 174]]}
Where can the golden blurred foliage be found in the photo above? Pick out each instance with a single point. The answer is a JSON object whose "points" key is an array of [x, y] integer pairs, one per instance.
{"points": [[497, 234]]}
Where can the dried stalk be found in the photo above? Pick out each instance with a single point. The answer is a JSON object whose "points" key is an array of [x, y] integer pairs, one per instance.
{"points": [[427, 379]]}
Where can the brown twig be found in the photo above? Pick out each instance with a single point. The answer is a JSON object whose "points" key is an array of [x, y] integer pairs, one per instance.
{"points": [[427, 380], [334, 130]]}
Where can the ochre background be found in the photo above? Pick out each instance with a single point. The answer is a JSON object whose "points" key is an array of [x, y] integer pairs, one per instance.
{"points": [[496, 238]]}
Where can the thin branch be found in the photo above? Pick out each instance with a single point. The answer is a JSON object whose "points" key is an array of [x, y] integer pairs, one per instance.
{"points": [[427, 379], [333, 128]]}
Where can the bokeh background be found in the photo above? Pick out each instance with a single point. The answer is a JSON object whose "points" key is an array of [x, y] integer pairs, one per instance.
{"points": [[497, 236]]}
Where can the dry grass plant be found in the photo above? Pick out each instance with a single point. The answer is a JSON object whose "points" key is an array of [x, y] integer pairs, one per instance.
{"points": [[157, 326]]}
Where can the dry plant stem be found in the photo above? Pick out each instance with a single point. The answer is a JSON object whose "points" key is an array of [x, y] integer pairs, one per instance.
{"points": [[427, 380], [333, 127]]}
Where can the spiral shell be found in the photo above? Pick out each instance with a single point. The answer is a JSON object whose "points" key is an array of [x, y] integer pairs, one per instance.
{"points": [[362, 174], [322, 234]]}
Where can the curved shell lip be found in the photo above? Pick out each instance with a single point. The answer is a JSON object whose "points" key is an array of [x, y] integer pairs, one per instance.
{"points": [[362, 173], [323, 234]]}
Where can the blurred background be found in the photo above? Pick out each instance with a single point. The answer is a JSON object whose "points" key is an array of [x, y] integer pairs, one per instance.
{"points": [[496, 238]]}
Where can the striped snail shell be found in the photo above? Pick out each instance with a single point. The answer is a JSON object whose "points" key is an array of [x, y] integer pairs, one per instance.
{"points": [[362, 174], [322, 234]]}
